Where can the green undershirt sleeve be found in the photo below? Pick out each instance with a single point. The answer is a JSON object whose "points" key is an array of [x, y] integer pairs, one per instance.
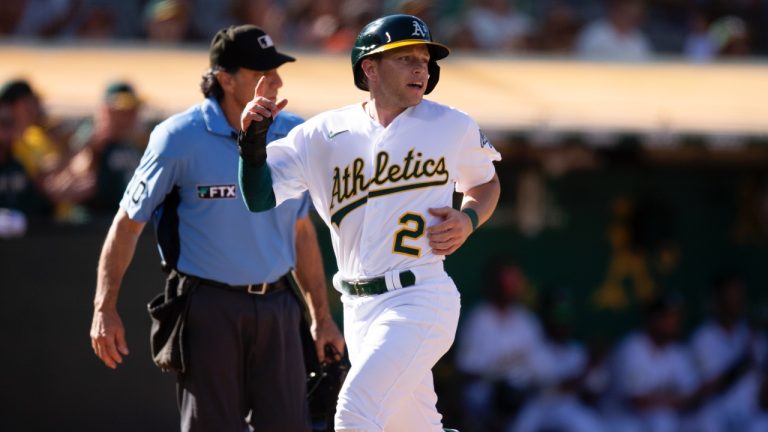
{"points": [[256, 186]]}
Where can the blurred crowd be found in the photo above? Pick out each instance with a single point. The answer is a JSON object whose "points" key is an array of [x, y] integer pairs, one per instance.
{"points": [[700, 30], [523, 370], [66, 170]]}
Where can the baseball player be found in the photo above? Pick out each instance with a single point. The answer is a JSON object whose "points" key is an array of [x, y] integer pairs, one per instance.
{"points": [[728, 353], [381, 174], [499, 350], [653, 374]]}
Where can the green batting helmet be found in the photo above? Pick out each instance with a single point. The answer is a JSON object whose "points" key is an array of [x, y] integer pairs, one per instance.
{"points": [[395, 31]]}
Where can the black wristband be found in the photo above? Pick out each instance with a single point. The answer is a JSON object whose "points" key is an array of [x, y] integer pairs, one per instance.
{"points": [[252, 143], [472, 216]]}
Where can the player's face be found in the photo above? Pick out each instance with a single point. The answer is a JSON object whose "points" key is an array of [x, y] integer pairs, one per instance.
{"points": [[245, 80], [401, 76]]}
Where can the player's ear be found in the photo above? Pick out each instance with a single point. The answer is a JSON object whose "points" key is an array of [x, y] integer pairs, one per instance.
{"points": [[370, 69]]}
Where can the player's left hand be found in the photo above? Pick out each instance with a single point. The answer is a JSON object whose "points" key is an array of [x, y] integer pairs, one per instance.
{"points": [[447, 236], [325, 331], [260, 107]]}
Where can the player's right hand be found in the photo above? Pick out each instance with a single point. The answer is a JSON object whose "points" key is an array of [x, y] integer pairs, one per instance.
{"points": [[108, 337], [260, 107], [451, 232]]}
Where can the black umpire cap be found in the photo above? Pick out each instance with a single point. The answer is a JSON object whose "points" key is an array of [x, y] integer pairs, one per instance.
{"points": [[246, 46]]}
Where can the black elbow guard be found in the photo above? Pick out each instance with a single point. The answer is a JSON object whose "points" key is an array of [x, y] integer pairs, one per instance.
{"points": [[252, 143]]}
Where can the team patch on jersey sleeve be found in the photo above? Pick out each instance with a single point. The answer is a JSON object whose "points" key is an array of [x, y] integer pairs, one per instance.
{"points": [[217, 192], [484, 141]]}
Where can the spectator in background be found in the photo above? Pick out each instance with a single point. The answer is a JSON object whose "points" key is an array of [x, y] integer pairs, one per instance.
{"points": [[327, 24], [585, 10], [699, 45], [212, 15], [19, 196], [114, 139], [87, 19], [653, 374], [617, 37], [315, 21], [557, 30], [728, 354], [667, 23], [107, 152], [97, 23], [354, 15], [724, 37], [36, 150], [424, 9], [498, 348], [168, 21], [10, 14], [270, 15], [558, 407], [497, 25], [125, 17], [42, 18]]}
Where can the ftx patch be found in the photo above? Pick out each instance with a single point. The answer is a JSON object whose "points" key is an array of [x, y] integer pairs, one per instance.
{"points": [[216, 192]]}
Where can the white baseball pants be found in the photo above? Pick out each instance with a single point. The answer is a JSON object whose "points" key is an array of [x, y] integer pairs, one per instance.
{"points": [[394, 339]]}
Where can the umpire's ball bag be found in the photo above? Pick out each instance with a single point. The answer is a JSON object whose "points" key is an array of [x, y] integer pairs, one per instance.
{"points": [[168, 311]]}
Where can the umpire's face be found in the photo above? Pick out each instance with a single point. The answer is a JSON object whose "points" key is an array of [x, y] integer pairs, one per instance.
{"points": [[239, 85]]}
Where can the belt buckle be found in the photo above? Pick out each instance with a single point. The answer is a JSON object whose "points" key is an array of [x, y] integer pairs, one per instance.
{"points": [[355, 287], [259, 289]]}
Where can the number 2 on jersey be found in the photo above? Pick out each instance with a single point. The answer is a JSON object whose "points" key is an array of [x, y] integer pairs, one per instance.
{"points": [[413, 228]]}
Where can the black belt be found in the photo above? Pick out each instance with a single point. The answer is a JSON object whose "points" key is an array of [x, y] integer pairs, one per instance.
{"points": [[375, 286], [259, 289]]}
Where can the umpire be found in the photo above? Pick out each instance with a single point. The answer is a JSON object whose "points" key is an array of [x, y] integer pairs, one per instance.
{"points": [[243, 355]]}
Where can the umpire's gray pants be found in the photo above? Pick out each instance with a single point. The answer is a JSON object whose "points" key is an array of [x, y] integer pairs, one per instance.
{"points": [[245, 364]]}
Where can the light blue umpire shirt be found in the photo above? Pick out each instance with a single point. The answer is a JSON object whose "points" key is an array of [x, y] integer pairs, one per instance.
{"points": [[187, 184]]}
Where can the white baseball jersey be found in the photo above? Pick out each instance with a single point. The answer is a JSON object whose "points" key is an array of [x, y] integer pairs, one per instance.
{"points": [[715, 350], [645, 368], [554, 408], [373, 185], [642, 368], [509, 344]]}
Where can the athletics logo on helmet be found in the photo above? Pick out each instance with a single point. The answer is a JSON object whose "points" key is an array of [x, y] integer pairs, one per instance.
{"points": [[419, 29], [395, 31]]}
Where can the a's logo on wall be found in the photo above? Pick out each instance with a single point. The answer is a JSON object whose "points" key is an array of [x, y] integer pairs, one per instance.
{"points": [[265, 42], [420, 30], [216, 192]]}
